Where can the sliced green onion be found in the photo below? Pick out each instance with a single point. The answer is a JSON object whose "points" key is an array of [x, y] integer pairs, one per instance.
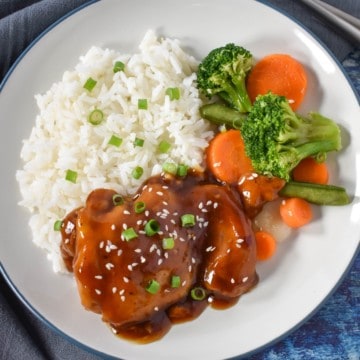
{"points": [[153, 287], [90, 84], [117, 199], [198, 293], [173, 93], [170, 168], [115, 140], [164, 146], [182, 170], [96, 117], [139, 142], [175, 281], [137, 172], [118, 66], [71, 176], [139, 207], [188, 220], [142, 104], [129, 234], [58, 225], [152, 227], [168, 243]]}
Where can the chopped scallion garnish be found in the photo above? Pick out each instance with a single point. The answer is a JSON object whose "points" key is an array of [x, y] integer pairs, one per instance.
{"points": [[90, 84], [198, 293], [58, 225], [152, 227], [139, 207], [173, 93], [175, 281], [168, 243], [170, 168], [142, 104], [188, 220], [117, 199], [182, 170], [153, 287], [164, 146], [139, 142], [118, 66], [71, 175], [129, 234], [96, 117], [115, 140], [137, 172]]}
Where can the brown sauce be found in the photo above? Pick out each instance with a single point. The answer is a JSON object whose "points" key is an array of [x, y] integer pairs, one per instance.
{"points": [[217, 253]]}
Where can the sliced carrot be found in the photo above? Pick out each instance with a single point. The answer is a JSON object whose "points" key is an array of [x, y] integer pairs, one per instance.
{"points": [[282, 75], [265, 245], [296, 212], [226, 157], [309, 170]]}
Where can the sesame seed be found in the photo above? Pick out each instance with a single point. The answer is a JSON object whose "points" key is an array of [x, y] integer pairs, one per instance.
{"points": [[119, 252], [166, 255], [147, 213], [210, 299], [150, 189], [193, 260], [142, 259], [113, 227], [134, 264], [210, 248], [69, 227], [158, 251], [139, 222], [99, 277], [217, 164], [245, 279], [101, 245], [122, 298], [138, 250], [228, 251], [156, 308], [124, 226], [160, 261], [126, 279], [201, 205], [114, 289], [183, 283], [173, 221], [121, 292], [215, 205], [98, 291], [165, 187], [130, 267], [126, 212], [190, 268], [209, 202], [160, 193], [165, 203], [204, 210], [232, 280], [109, 266], [152, 248], [67, 241]]}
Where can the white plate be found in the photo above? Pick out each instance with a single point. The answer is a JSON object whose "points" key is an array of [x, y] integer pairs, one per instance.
{"points": [[306, 269]]}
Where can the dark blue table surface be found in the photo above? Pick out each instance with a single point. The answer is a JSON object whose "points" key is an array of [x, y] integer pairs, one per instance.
{"points": [[332, 333]]}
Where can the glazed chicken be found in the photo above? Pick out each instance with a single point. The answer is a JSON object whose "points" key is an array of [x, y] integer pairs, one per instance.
{"points": [[139, 261]]}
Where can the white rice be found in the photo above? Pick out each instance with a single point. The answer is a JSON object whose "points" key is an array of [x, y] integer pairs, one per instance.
{"points": [[63, 139]]}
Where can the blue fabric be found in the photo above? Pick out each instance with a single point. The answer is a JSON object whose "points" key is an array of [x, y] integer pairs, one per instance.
{"points": [[332, 333]]}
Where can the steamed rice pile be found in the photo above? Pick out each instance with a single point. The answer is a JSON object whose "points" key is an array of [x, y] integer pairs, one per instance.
{"points": [[63, 138]]}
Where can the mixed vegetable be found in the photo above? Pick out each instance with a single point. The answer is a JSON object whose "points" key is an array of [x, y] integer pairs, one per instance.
{"points": [[263, 137]]}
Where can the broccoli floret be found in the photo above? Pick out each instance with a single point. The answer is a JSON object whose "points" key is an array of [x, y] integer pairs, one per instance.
{"points": [[223, 72], [277, 139]]}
